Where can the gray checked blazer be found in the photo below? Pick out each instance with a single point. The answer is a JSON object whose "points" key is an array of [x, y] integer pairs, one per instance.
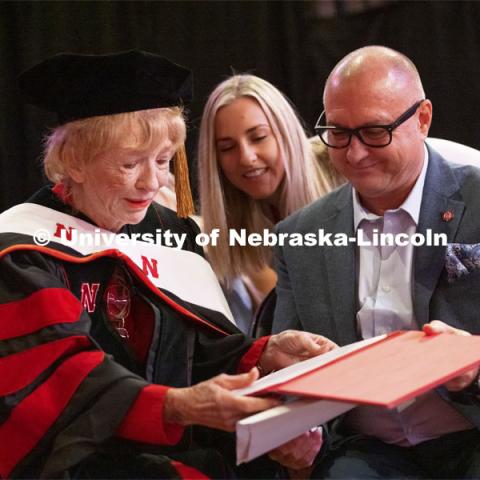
{"points": [[317, 285]]}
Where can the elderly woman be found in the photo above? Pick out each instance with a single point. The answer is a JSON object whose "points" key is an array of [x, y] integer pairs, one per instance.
{"points": [[101, 344], [256, 166]]}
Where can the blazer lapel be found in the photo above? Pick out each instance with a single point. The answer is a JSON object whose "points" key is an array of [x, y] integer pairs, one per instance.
{"points": [[341, 272], [440, 195]]}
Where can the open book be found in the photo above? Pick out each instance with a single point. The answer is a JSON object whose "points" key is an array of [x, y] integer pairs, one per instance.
{"points": [[385, 371]]}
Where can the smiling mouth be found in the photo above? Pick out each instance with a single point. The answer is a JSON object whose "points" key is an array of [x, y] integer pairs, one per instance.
{"points": [[365, 167], [255, 172]]}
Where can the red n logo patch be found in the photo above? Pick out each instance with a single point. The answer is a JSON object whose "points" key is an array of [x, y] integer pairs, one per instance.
{"points": [[88, 296], [67, 232], [150, 266]]}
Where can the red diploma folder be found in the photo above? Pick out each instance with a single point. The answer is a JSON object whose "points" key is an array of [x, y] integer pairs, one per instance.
{"points": [[389, 372], [384, 371]]}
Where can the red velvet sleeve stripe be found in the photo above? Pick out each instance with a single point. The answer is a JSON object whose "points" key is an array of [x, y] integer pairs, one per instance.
{"points": [[253, 354], [187, 472], [20, 369], [144, 421], [26, 316], [31, 418]]}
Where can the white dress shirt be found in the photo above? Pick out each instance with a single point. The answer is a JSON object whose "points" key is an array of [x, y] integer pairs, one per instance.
{"points": [[385, 272]]}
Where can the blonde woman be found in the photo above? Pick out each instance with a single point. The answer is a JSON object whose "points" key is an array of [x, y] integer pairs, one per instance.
{"points": [[256, 166]]}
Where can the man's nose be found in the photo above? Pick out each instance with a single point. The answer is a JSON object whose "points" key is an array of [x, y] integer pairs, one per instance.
{"points": [[356, 151]]}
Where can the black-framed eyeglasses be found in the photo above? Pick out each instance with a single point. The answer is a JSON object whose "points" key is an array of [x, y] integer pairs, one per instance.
{"points": [[376, 136]]}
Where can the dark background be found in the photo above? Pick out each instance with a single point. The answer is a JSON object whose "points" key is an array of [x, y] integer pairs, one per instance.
{"points": [[292, 44]]}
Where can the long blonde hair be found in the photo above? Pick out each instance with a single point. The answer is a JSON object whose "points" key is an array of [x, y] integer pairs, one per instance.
{"points": [[225, 207]]}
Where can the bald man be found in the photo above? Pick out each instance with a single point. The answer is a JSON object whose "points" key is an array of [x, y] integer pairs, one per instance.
{"points": [[375, 123]]}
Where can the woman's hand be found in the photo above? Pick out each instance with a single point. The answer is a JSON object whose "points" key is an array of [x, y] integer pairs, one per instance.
{"points": [[292, 346], [299, 453], [212, 404]]}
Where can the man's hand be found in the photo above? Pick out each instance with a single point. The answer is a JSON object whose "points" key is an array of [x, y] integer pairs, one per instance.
{"points": [[292, 346], [465, 379], [211, 403], [299, 453]]}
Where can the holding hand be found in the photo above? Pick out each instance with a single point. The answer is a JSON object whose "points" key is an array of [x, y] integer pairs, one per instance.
{"points": [[299, 453], [212, 404], [465, 379], [292, 346]]}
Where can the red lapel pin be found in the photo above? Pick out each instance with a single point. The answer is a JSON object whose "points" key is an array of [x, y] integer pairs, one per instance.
{"points": [[447, 216]]}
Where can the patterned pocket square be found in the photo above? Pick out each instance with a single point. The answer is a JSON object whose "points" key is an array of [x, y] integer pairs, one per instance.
{"points": [[461, 259]]}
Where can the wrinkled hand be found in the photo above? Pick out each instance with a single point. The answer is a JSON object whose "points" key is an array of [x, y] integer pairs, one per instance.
{"points": [[299, 453], [292, 346], [465, 379], [211, 403]]}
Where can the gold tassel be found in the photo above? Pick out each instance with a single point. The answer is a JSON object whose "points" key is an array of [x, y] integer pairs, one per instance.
{"points": [[183, 192]]}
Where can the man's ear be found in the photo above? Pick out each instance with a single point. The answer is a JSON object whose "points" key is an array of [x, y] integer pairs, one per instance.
{"points": [[425, 116]]}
